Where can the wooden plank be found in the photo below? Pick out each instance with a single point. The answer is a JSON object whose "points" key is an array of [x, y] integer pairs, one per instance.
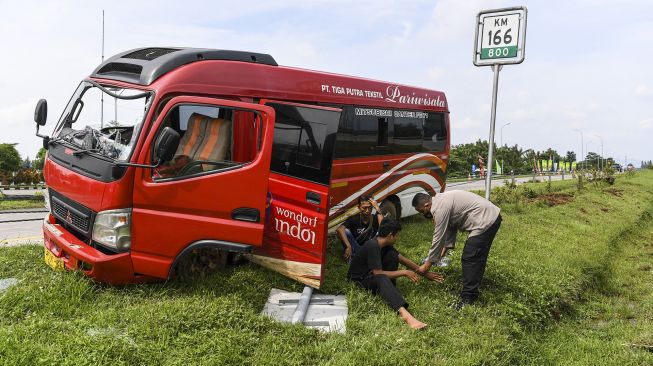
{"points": [[306, 273]]}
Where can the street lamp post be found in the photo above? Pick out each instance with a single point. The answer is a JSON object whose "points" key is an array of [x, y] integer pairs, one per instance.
{"points": [[587, 150], [582, 144], [501, 143], [601, 162]]}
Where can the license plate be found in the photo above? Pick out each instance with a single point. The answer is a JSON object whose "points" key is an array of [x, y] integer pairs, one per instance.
{"points": [[52, 261]]}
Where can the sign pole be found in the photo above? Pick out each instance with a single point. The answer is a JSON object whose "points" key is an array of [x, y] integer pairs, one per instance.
{"points": [[495, 89], [500, 39]]}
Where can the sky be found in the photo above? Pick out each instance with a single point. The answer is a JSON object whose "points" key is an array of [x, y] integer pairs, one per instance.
{"points": [[586, 63]]}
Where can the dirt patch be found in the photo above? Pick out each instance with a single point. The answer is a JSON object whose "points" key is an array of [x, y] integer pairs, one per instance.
{"points": [[583, 210], [645, 267], [614, 191], [555, 199], [605, 209]]}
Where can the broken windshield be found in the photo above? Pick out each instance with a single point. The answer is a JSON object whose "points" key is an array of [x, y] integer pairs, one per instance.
{"points": [[104, 120]]}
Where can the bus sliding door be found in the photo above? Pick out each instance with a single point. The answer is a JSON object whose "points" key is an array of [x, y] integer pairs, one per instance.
{"points": [[297, 213]]}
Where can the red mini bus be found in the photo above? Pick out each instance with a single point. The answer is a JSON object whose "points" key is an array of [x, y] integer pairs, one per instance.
{"points": [[165, 150]]}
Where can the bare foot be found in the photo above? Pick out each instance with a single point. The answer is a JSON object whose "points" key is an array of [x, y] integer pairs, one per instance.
{"points": [[410, 319]]}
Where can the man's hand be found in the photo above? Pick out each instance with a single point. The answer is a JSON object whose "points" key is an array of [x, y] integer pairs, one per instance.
{"points": [[436, 277], [375, 205], [411, 275], [424, 268], [347, 254]]}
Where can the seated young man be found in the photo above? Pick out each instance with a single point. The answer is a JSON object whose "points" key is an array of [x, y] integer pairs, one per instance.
{"points": [[358, 229], [375, 267]]}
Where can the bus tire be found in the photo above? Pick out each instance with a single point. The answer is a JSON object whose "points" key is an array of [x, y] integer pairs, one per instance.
{"points": [[200, 263], [389, 209]]}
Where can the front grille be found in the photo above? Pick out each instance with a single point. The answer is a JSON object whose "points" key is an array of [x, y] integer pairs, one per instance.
{"points": [[79, 221], [71, 215]]}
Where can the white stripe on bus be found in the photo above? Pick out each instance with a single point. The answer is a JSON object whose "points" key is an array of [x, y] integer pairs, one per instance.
{"points": [[358, 193]]}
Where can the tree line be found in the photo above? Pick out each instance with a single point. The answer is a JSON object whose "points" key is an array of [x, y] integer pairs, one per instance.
{"points": [[16, 170], [515, 158]]}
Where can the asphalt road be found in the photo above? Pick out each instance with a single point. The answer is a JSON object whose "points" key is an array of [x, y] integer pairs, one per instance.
{"points": [[15, 232], [20, 192], [479, 185]]}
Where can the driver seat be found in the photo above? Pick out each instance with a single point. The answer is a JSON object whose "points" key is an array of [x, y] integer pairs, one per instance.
{"points": [[206, 138]]}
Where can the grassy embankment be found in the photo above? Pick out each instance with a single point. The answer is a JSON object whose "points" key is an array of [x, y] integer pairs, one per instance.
{"points": [[568, 279], [19, 204], [6, 204]]}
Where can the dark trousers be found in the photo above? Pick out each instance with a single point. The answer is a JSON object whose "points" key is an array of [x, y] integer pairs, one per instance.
{"points": [[474, 259], [352, 241], [384, 286]]}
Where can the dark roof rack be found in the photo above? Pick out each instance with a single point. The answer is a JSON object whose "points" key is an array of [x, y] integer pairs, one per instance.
{"points": [[144, 65]]}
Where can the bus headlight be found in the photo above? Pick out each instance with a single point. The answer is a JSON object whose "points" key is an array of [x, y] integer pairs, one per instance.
{"points": [[112, 229]]}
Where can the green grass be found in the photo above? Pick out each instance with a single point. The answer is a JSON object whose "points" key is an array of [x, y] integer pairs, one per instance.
{"points": [[613, 321], [552, 288], [18, 204]]}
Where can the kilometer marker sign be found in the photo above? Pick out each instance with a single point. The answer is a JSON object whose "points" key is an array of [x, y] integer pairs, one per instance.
{"points": [[500, 40], [500, 36]]}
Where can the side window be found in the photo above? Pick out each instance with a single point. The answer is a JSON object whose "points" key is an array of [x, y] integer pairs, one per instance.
{"points": [[212, 139], [408, 131], [435, 132], [364, 132], [303, 142]]}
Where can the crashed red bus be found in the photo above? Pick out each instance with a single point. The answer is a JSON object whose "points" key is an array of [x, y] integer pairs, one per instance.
{"points": [[165, 150]]}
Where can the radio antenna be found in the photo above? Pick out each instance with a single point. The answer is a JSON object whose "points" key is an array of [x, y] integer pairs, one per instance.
{"points": [[102, 95]]}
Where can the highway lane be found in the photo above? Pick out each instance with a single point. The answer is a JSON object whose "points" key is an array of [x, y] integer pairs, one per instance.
{"points": [[479, 185], [20, 192]]}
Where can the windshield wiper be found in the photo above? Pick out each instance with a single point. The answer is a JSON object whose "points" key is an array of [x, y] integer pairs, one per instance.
{"points": [[71, 133], [77, 152]]}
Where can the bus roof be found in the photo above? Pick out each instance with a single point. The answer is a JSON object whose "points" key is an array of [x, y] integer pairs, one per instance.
{"points": [[256, 75]]}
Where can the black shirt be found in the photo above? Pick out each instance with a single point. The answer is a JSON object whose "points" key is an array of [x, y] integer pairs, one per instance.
{"points": [[367, 258], [362, 231]]}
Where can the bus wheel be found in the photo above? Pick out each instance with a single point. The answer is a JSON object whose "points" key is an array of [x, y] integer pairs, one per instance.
{"points": [[201, 263], [389, 209]]}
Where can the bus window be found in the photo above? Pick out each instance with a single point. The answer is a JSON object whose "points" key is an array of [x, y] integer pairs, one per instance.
{"points": [[435, 132], [211, 140], [364, 132], [303, 141], [408, 134], [311, 144], [382, 132]]}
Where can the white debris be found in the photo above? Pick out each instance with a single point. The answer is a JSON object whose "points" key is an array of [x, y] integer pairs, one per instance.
{"points": [[6, 283], [326, 313]]}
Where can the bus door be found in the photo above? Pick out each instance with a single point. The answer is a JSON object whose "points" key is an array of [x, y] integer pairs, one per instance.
{"points": [[297, 214], [212, 193]]}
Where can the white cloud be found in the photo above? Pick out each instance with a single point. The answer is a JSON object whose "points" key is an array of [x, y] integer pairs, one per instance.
{"points": [[519, 114], [466, 123], [646, 124], [642, 90], [435, 73]]}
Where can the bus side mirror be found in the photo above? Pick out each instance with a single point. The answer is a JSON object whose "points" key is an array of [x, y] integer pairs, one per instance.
{"points": [[166, 144], [40, 117], [41, 112]]}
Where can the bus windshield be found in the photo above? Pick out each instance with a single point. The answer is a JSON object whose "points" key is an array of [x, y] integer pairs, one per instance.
{"points": [[103, 120]]}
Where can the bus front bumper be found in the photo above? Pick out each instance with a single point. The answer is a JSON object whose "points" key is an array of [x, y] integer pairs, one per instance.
{"points": [[64, 250]]}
